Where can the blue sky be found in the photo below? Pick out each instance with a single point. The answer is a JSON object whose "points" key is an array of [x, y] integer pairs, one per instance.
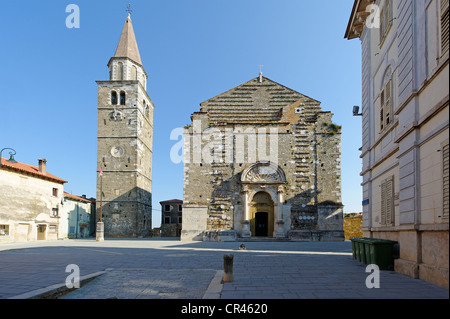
{"points": [[192, 50]]}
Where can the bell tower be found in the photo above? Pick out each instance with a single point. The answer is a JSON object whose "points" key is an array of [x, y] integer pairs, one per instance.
{"points": [[124, 143]]}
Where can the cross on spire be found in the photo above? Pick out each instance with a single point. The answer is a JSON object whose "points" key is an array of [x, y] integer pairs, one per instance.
{"points": [[129, 9], [260, 79]]}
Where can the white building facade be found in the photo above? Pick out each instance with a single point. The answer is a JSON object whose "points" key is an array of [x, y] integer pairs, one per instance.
{"points": [[31, 203], [405, 121], [78, 216]]}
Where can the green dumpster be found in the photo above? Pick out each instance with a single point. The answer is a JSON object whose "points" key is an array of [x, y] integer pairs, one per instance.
{"points": [[360, 251], [382, 253], [367, 245], [363, 247], [354, 247], [357, 246]]}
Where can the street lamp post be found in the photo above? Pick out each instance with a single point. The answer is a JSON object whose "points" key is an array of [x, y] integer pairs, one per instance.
{"points": [[100, 231], [11, 156]]}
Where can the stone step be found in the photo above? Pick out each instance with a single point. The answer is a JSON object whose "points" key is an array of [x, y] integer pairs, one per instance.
{"points": [[262, 239]]}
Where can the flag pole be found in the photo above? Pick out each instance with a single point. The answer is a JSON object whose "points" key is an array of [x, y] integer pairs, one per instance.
{"points": [[101, 194]]}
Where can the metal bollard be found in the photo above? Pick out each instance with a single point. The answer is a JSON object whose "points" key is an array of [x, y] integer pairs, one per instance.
{"points": [[227, 268]]}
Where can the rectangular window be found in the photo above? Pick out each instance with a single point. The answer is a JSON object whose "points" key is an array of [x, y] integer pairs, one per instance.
{"points": [[387, 201], [4, 230], [386, 18], [180, 208], [445, 180], [386, 106], [55, 192], [444, 26], [382, 111], [167, 208], [54, 212], [180, 220], [167, 220]]}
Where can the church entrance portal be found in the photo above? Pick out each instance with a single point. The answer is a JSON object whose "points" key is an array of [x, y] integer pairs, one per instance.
{"points": [[262, 215]]}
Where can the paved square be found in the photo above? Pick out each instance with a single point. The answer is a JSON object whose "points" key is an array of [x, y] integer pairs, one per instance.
{"points": [[150, 269]]}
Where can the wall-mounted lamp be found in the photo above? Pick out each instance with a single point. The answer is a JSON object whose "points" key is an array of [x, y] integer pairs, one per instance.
{"points": [[356, 111], [11, 157]]}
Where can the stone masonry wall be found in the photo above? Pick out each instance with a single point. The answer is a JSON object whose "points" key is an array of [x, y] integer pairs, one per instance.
{"points": [[352, 227], [218, 147], [124, 153]]}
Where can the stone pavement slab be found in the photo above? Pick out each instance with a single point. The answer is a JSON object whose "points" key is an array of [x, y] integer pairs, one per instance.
{"points": [[146, 284]]}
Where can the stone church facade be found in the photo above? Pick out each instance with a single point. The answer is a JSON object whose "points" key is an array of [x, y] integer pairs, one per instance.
{"points": [[262, 160], [125, 138]]}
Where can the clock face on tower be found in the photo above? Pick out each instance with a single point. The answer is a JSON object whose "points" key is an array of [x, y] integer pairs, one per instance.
{"points": [[117, 151]]}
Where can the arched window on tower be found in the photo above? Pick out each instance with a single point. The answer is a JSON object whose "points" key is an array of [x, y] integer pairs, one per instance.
{"points": [[122, 98], [133, 73], [114, 98], [120, 75]]}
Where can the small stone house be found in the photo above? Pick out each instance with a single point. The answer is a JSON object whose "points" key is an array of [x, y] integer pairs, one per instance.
{"points": [[171, 217], [31, 203]]}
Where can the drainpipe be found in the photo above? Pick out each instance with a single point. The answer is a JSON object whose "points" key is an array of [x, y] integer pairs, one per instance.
{"points": [[77, 225]]}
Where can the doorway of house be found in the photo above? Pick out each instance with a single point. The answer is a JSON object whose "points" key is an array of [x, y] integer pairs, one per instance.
{"points": [[41, 232]]}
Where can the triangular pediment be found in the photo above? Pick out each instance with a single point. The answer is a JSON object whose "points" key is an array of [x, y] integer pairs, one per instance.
{"points": [[248, 88], [261, 97]]}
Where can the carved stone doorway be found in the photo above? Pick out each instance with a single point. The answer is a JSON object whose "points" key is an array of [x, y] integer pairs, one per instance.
{"points": [[262, 215]]}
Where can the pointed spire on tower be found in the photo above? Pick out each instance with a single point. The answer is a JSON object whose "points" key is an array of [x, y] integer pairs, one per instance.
{"points": [[127, 47]]}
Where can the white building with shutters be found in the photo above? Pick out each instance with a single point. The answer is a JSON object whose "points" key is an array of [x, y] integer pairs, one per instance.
{"points": [[405, 121]]}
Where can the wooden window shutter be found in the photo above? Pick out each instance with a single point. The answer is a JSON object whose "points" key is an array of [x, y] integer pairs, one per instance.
{"points": [[390, 200], [444, 26], [445, 180], [387, 103], [382, 24], [383, 203], [387, 201], [382, 110], [391, 12], [387, 18]]}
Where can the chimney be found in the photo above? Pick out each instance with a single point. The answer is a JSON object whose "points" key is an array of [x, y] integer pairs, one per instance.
{"points": [[42, 165]]}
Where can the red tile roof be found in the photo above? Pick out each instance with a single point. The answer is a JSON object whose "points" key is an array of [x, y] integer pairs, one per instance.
{"points": [[79, 198], [30, 169]]}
